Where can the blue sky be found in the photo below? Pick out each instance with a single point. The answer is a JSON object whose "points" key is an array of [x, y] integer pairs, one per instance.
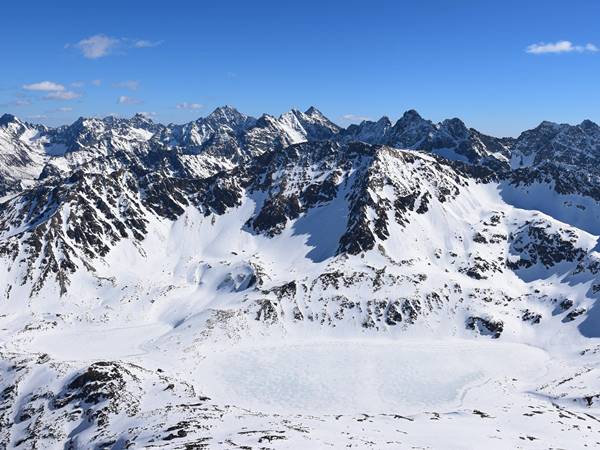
{"points": [[482, 61]]}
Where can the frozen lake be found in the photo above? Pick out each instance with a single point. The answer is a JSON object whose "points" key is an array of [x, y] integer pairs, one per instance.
{"points": [[361, 376]]}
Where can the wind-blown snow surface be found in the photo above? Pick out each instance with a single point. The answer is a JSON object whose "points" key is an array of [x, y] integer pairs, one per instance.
{"points": [[316, 293]]}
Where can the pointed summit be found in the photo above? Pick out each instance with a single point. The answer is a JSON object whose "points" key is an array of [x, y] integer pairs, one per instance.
{"points": [[225, 112], [411, 115], [228, 116], [455, 127], [589, 125], [312, 111], [384, 121], [412, 120], [7, 118], [548, 125]]}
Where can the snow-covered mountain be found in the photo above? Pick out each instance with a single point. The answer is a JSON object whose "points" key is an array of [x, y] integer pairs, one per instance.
{"points": [[282, 282], [450, 139], [20, 159]]}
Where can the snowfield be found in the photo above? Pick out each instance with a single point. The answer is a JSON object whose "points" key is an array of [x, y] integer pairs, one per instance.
{"points": [[94, 343]]}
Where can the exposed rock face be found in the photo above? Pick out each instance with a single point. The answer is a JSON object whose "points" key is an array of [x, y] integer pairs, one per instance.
{"points": [[535, 242], [485, 326]]}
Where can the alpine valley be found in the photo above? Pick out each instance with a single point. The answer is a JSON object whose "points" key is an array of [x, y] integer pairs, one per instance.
{"points": [[283, 282]]}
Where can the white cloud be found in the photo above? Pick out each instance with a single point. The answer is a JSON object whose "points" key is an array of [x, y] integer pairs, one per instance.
{"points": [[125, 100], [129, 84], [78, 84], [354, 118], [148, 114], [97, 46], [186, 105], [44, 86], [54, 91], [591, 47], [142, 43], [560, 47], [38, 116], [96, 82], [62, 95], [101, 45]]}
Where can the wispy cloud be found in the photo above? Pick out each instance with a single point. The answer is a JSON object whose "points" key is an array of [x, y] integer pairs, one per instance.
{"points": [[62, 95], [44, 86], [17, 103], [38, 116], [21, 102], [126, 100], [132, 85], [96, 46], [142, 43], [96, 82], [148, 114], [191, 106], [100, 45], [560, 47], [354, 118], [63, 109]]}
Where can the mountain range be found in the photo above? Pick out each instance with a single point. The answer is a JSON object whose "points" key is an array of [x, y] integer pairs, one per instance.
{"points": [[135, 257]]}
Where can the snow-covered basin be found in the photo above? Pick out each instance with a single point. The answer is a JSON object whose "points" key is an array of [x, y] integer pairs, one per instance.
{"points": [[363, 376], [324, 376]]}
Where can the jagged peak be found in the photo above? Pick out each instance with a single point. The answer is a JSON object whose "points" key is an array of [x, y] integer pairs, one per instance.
{"points": [[292, 112], [225, 111], [86, 122], [545, 126], [8, 118], [315, 114], [228, 115], [454, 121], [548, 125], [81, 120], [410, 118], [589, 125], [265, 119], [411, 114], [384, 120], [313, 111], [314, 126], [367, 125], [455, 126]]}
